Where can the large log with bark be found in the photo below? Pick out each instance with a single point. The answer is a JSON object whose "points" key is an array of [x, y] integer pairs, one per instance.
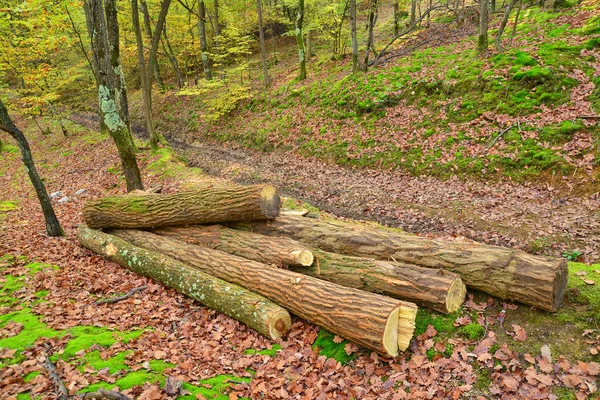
{"points": [[506, 273], [201, 206], [433, 288], [280, 251], [376, 322], [250, 308]]}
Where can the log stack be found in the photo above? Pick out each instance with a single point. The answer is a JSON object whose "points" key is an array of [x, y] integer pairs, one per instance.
{"points": [[359, 283]]}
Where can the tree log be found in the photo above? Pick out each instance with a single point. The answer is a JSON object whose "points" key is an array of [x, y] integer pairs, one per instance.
{"points": [[506, 273], [376, 322], [437, 289], [201, 206], [264, 249], [241, 304]]}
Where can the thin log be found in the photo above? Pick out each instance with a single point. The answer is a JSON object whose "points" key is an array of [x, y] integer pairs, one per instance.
{"points": [[376, 322], [264, 249], [440, 290], [123, 297], [201, 206], [502, 272], [61, 389], [243, 305]]}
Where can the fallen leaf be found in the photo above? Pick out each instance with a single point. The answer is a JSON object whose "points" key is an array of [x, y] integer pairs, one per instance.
{"points": [[337, 339], [589, 281], [546, 353]]}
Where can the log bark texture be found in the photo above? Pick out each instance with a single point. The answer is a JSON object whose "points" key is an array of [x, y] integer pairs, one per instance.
{"points": [[440, 290], [506, 273], [376, 322], [252, 309], [279, 251], [201, 206]]}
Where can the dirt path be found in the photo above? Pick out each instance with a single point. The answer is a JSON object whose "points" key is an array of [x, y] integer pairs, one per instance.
{"points": [[538, 218]]}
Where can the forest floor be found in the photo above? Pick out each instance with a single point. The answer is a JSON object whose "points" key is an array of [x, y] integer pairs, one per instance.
{"points": [[488, 349]]}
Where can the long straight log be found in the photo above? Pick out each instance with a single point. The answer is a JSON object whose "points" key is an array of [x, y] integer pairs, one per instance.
{"points": [[252, 309], [506, 273], [264, 249], [203, 206], [376, 322], [440, 290]]}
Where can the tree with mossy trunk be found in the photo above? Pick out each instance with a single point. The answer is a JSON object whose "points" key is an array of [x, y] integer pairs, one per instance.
{"points": [[52, 225], [112, 94]]}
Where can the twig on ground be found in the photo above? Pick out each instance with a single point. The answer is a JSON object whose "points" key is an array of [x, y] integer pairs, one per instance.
{"points": [[104, 394], [123, 297], [589, 116], [61, 389], [499, 136]]}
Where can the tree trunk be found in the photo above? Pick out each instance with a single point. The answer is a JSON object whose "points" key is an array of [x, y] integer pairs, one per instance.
{"points": [[514, 30], [396, 17], [166, 44], [498, 41], [376, 322], [413, 12], [506, 273], [264, 249], [353, 34], [204, 206], [247, 307], [482, 45], [148, 28], [371, 25], [203, 46], [300, 40], [440, 290], [263, 49], [112, 94], [53, 227]]}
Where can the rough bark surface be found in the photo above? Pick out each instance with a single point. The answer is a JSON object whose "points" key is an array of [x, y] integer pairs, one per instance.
{"points": [[278, 251], [204, 206], [241, 304], [440, 290], [503, 272], [376, 322]]}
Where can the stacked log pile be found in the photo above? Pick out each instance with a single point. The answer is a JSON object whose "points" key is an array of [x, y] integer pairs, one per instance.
{"points": [[363, 284]]}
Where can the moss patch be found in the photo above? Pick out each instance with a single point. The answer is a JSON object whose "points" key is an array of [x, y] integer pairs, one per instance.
{"points": [[266, 352], [85, 337], [328, 348], [8, 205], [114, 364]]}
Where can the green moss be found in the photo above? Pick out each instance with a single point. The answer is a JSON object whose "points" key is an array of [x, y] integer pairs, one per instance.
{"points": [[33, 329], [483, 380], [560, 133], [134, 378], [327, 347], [35, 267], [29, 377], [472, 331], [160, 365], [213, 388], [442, 323], [8, 205], [84, 337], [132, 204], [266, 352], [24, 396], [564, 393], [114, 364]]}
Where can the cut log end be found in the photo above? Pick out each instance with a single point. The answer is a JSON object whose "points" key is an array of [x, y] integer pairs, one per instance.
{"points": [[456, 295], [406, 325], [270, 203], [280, 324], [304, 257], [561, 281], [390, 335]]}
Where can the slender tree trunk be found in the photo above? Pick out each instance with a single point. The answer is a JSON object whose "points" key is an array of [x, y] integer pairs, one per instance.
{"points": [[371, 25], [498, 41], [263, 49], [166, 44], [148, 28], [396, 17], [300, 40], [413, 12], [81, 45], [493, 6], [53, 227], [514, 30], [203, 45], [146, 73], [482, 44], [112, 94], [353, 34]]}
